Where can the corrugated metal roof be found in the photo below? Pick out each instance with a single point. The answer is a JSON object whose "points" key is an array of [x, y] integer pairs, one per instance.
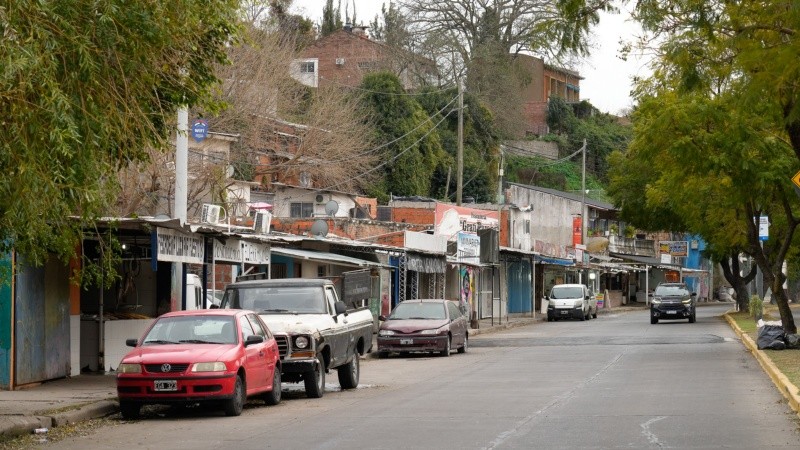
{"points": [[324, 257]]}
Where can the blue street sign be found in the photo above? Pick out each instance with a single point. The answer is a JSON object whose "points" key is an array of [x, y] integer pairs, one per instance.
{"points": [[200, 130], [763, 228]]}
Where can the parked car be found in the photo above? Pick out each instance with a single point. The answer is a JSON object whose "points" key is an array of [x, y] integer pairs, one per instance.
{"points": [[672, 301], [430, 325], [571, 301], [316, 332], [215, 356]]}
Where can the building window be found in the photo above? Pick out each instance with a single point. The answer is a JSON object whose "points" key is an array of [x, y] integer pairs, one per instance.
{"points": [[300, 210], [307, 67], [527, 227]]}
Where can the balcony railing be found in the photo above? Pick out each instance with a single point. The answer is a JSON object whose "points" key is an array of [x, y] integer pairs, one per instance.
{"points": [[632, 246]]}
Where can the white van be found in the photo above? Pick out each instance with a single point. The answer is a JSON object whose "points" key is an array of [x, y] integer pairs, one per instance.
{"points": [[571, 301], [194, 292]]}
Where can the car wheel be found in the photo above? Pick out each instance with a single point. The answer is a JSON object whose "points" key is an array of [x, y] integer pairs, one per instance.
{"points": [[315, 380], [349, 373], [446, 351], [692, 318], [653, 320], [273, 397], [235, 405], [583, 316], [463, 348], [129, 410], [594, 314]]}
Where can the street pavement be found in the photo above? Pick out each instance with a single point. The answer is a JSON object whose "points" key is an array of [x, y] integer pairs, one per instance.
{"points": [[87, 396]]}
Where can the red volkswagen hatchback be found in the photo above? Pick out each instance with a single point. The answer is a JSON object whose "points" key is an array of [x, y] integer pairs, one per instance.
{"points": [[208, 356]]}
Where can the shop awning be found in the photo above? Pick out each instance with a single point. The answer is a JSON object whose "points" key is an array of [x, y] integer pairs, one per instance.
{"points": [[552, 260], [324, 257], [655, 262]]}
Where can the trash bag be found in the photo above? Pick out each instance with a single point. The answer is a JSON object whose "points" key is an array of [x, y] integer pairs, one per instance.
{"points": [[771, 337], [792, 341]]}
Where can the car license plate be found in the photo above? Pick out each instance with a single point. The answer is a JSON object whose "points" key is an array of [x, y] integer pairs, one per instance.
{"points": [[406, 341], [672, 312], [165, 385], [564, 313]]}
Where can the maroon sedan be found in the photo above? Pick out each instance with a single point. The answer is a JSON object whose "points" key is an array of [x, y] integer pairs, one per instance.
{"points": [[423, 326], [212, 356]]}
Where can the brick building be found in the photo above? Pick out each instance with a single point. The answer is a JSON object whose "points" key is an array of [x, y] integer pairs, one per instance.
{"points": [[344, 57], [546, 81]]}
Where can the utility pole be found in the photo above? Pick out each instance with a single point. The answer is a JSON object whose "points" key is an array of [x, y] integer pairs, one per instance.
{"points": [[583, 206], [460, 174], [181, 200]]}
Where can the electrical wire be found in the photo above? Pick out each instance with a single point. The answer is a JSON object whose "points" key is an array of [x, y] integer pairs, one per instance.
{"points": [[399, 94], [393, 158], [386, 144]]}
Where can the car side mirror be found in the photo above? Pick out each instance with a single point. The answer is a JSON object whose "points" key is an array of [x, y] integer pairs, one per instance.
{"points": [[340, 308], [253, 339], [131, 342], [694, 294], [382, 318], [213, 306]]}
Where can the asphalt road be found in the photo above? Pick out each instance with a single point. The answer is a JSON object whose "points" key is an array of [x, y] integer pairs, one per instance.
{"points": [[612, 382]]}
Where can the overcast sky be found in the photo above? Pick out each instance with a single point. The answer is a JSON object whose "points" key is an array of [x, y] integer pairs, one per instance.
{"points": [[607, 79]]}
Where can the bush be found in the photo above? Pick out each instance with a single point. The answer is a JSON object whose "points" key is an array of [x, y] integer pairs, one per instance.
{"points": [[756, 307]]}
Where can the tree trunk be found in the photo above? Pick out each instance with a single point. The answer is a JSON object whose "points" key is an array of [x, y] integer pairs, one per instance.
{"points": [[780, 299], [732, 273]]}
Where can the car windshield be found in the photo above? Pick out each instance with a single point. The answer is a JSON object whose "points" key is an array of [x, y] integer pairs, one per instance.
{"points": [[670, 291], [192, 330], [566, 292], [418, 310], [278, 299]]}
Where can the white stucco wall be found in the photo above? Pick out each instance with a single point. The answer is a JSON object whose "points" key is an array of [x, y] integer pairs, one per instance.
{"points": [[551, 220], [284, 197]]}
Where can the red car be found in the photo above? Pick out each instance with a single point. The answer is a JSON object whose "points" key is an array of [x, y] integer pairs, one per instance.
{"points": [[429, 325], [212, 356]]}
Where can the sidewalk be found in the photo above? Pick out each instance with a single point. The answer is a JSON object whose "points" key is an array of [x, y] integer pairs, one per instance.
{"points": [[87, 396]]}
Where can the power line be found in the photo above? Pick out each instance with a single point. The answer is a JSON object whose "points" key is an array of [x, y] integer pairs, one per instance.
{"points": [[393, 158], [400, 94]]}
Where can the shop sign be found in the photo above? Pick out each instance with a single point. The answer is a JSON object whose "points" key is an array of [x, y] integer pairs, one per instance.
{"points": [[175, 246]]}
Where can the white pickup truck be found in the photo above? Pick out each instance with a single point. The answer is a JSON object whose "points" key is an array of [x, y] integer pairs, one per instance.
{"points": [[315, 331]]}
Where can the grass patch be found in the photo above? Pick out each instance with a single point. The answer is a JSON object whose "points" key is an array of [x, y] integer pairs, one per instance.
{"points": [[787, 361]]}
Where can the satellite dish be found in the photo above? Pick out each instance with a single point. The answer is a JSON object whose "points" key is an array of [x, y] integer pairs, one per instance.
{"points": [[319, 228], [331, 208], [230, 171]]}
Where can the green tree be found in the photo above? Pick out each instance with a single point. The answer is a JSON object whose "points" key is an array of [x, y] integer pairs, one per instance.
{"points": [[331, 18], [741, 57], [86, 88], [481, 146], [412, 149], [708, 168]]}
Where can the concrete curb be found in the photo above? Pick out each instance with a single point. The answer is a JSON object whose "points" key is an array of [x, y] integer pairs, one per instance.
{"points": [[18, 425], [783, 384]]}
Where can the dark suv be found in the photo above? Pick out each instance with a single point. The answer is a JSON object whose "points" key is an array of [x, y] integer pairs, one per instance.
{"points": [[673, 301]]}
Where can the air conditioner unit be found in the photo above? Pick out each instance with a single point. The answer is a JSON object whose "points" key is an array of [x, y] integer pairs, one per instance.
{"points": [[319, 198], [262, 222], [210, 213], [339, 61]]}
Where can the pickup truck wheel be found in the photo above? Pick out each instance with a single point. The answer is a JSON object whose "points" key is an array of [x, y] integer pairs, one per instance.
{"points": [[235, 405], [273, 397], [315, 380], [349, 373], [446, 351]]}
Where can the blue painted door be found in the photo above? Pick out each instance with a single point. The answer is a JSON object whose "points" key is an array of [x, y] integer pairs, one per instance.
{"points": [[41, 315], [519, 286]]}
